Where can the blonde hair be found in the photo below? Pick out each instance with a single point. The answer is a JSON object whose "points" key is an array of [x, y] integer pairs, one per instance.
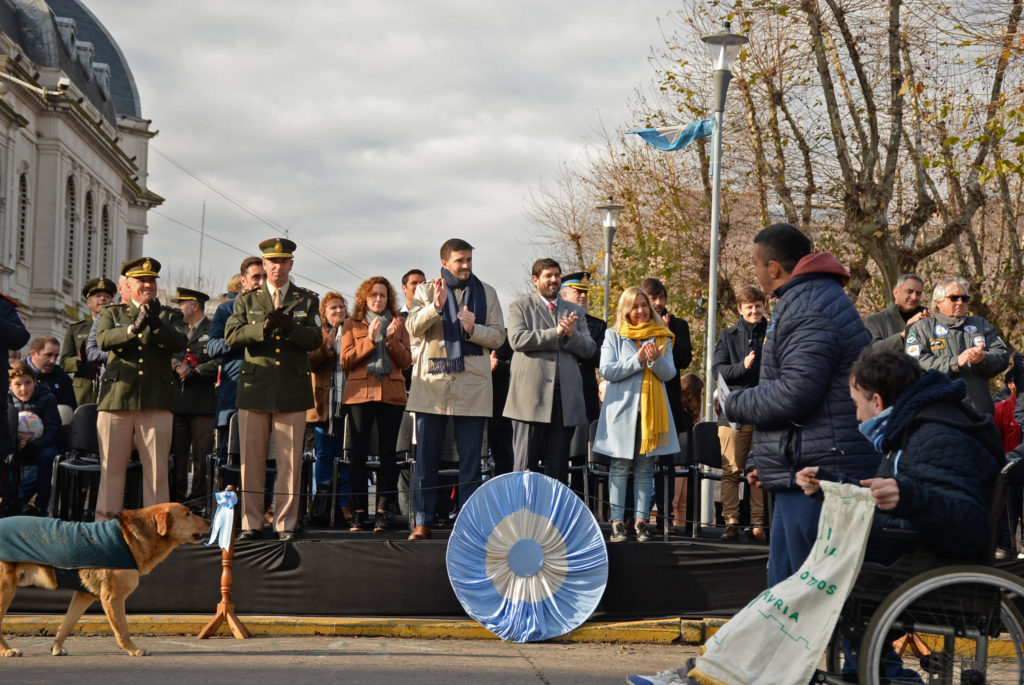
{"points": [[626, 302]]}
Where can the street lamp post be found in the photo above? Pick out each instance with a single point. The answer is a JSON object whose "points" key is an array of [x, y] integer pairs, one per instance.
{"points": [[724, 47], [609, 213]]}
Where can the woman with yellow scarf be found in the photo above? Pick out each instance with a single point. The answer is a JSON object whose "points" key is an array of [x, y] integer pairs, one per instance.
{"points": [[636, 423]]}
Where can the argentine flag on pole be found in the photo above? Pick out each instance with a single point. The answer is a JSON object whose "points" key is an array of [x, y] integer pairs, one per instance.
{"points": [[671, 138]]}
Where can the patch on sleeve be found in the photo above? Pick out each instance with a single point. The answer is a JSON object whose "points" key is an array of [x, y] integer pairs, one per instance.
{"points": [[937, 344], [911, 339], [914, 350]]}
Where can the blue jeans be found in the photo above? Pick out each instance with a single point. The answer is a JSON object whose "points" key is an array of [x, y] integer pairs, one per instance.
{"points": [[794, 531], [642, 466], [37, 479], [430, 429], [327, 448]]}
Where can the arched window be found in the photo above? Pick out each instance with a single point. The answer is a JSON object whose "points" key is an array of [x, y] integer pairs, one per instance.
{"points": [[108, 241], [23, 218], [90, 236], [70, 233]]}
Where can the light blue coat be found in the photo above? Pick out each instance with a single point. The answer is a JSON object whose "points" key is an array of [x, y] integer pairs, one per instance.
{"points": [[616, 429]]}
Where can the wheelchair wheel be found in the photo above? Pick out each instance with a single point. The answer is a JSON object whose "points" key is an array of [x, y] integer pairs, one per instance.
{"points": [[956, 624]]}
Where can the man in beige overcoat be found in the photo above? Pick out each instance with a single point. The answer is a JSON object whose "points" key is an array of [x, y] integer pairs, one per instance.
{"points": [[545, 397], [458, 318]]}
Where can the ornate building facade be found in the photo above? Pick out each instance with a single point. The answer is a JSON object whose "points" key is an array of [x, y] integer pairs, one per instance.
{"points": [[73, 159]]}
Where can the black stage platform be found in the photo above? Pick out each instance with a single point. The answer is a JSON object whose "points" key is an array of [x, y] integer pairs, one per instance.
{"points": [[334, 573]]}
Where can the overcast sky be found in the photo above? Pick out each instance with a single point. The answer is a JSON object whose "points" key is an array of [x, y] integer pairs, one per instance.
{"points": [[373, 130]]}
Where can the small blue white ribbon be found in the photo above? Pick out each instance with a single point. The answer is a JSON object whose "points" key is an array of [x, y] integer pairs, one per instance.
{"points": [[223, 520]]}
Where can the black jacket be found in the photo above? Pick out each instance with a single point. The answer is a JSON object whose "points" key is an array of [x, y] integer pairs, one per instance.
{"points": [[59, 383], [682, 355], [735, 343], [801, 408], [944, 456], [44, 405], [589, 367]]}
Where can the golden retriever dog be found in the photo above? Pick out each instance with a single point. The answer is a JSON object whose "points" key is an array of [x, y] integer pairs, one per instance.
{"points": [[150, 534]]}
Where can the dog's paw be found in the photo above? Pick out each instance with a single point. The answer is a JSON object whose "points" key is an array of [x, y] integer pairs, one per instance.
{"points": [[10, 652], [139, 652], [58, 651]]}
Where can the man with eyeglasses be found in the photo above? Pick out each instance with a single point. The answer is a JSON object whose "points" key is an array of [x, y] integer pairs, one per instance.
{"points": [[959, 345]]}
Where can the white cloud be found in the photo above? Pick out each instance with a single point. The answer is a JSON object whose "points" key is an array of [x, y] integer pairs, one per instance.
{"points": [[374, 130]]}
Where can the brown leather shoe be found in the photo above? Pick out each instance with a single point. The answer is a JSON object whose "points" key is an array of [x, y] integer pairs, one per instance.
{"points": [[420, 533], [731, 533], [759, 533]]}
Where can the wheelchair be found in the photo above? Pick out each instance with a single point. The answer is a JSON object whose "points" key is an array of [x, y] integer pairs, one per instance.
{"points": [[952, 623]]}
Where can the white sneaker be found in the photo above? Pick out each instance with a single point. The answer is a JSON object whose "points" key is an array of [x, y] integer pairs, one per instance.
{"points": [[669, 677]]}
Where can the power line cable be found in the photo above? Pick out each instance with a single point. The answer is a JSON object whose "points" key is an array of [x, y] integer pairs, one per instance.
{"points": [[259, 217], [240, 250]]}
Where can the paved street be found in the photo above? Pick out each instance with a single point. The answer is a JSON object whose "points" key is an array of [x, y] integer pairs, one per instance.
{"points": [[176, 660]]}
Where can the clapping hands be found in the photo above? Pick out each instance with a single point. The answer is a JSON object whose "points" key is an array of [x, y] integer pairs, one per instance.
{"points": [[566, 325], [649, 351]]}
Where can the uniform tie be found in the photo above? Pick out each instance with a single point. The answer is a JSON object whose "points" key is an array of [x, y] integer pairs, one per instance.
{"points": [[277, 299]]}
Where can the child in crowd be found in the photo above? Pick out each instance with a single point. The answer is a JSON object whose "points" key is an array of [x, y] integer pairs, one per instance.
{"points": [[33, 456]]}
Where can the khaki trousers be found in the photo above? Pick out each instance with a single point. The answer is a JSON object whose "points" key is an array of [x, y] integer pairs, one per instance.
{"points": [[255, 428], [735, 446], [151, 431]]}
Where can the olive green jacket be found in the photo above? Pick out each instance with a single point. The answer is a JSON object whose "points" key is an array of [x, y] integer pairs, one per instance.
{"points": [[83, 376], [275, 373], [138, 374], [198, 393]]}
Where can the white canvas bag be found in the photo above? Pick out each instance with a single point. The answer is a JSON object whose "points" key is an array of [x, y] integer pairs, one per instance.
{"points": [[779, 637]]}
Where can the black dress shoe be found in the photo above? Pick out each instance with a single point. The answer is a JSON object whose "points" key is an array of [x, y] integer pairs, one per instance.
{"points": [[249, 534], [286, 536], [731, 533]]}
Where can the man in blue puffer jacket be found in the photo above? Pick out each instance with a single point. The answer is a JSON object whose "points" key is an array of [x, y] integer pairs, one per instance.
{"points": [[801, 408]]}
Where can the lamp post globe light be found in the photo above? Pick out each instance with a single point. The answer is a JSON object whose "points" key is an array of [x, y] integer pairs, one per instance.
{"points": [[723, 46], [609, 213]]}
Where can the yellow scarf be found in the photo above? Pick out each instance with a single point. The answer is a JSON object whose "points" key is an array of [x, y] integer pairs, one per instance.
{"points": [[654, 423]]}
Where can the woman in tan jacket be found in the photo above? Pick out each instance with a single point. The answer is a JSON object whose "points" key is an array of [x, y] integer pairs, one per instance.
{"points": [[374, 351], [327, 415]]}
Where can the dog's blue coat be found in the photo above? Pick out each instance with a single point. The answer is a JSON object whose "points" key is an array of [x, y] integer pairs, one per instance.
{"points": [[64, 544]]}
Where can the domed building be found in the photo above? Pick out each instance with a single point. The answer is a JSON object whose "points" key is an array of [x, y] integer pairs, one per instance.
{"points": [[73, 187]]}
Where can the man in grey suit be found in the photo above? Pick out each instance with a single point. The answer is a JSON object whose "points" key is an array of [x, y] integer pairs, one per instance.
{"points": [[545, 398]]}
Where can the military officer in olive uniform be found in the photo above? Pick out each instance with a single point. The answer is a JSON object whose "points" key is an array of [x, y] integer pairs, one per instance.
{"points": [[195, 416], [277, 324], [138, 394], [98, 293]]}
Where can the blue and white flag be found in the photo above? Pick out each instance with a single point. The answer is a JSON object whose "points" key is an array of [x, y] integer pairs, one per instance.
{"points": [[671, 138], [223, 520]]}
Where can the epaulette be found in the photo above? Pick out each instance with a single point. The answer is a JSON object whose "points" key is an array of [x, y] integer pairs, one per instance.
{"points": [[11, 300], [250, 290], [309, 292], [115, 304]]}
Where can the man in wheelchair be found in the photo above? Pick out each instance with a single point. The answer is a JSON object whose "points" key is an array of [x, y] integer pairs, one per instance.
{"points": [[940, 460], [940, 457]]}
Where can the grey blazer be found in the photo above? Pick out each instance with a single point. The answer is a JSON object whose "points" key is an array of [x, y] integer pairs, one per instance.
{"points": [[540, 354]]}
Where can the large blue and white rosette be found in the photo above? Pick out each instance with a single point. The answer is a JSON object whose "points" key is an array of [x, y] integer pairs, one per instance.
{"points": [[526, 558]]}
